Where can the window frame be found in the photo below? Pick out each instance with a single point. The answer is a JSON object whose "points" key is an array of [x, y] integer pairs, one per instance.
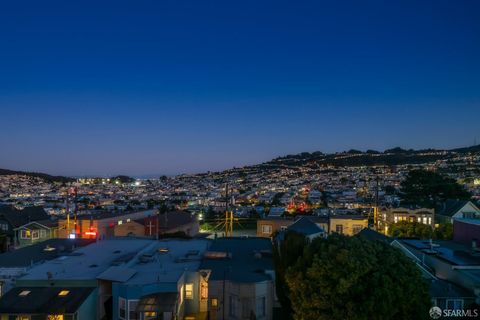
{"points": [[137, 315], [120, 300], [189, 292], [269, 227]]}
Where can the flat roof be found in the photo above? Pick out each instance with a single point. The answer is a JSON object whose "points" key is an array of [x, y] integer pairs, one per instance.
{"points": [[246, 262], [126, 260], [167, 260], [41, 251], [88, 262], [450, 251]]}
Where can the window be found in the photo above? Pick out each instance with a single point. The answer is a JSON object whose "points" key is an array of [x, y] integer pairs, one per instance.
{"points": [[233, 306], [214, 303], [132, 310], [25, 234], [246, 308], [455, 304], [43, 233], [267, 229], [55, 317], [122, 308], [4, 226], [339, 228], [261, 307], [204, 291], [283, 228], [189, 291], [63, 293], [419, 219], [35, 234], [149, 315], [429, 220], [357, 228], [181, 294], [424, 220], [395, 218]]}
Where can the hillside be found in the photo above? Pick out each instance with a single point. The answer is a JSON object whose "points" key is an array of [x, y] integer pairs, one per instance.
{"points": [[395, 156], [44, 176]]}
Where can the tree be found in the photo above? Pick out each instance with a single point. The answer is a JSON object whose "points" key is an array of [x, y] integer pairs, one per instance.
{"points": [[444, 231], [406, 229], [428, 188], [285, 255], [355, 278]]}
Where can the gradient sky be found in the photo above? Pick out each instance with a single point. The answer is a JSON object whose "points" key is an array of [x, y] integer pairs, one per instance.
{"points": [[172, 86]]}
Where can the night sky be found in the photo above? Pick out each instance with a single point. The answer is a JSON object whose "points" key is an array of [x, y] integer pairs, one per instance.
{"points": [[172, 86]]}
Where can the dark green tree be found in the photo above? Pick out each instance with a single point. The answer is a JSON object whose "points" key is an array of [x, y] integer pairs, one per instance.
{"points": [[285, 255], [406, 229], [427, 188], [355, 278], [444, 231]]}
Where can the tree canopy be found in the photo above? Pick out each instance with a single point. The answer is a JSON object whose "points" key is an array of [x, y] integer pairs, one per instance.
{"points": [[406, 229], [355, 278], [427, 188]]}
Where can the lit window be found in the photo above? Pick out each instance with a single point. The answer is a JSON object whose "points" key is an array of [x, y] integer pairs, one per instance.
{"points": [[267, 229], [189, 291], [204, 291], [214, 303], [24, 293], [55, 317], [120, 222], [63, 293]]}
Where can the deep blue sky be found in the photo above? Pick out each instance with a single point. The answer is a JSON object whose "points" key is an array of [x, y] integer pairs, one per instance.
{"points": [[172, 86]]}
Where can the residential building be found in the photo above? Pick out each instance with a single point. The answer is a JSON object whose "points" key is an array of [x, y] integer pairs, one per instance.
{"points": [[449, 261], [99, 226], [242, 279], [16, 263], [347, 224], [456, 209], [389, 216], [467, 231], [269, 226], [51, 303], [35, 231], [12, 218]]}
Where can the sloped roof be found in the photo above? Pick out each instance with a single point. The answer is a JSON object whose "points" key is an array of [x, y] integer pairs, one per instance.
{"points": [[44, 300], [305, 226], [18, 218], [450, 207]]}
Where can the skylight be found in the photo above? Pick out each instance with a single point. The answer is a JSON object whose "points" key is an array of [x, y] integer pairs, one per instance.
{"points": [[24, 293]]}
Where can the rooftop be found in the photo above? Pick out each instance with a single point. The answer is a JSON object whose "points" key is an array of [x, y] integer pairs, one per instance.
{"points": [[88, 262], [44, 300], [247, 260], [452, 252], [46, 250]]}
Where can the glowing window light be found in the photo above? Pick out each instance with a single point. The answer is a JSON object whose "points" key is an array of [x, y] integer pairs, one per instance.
{"points": [[63, 293]]}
